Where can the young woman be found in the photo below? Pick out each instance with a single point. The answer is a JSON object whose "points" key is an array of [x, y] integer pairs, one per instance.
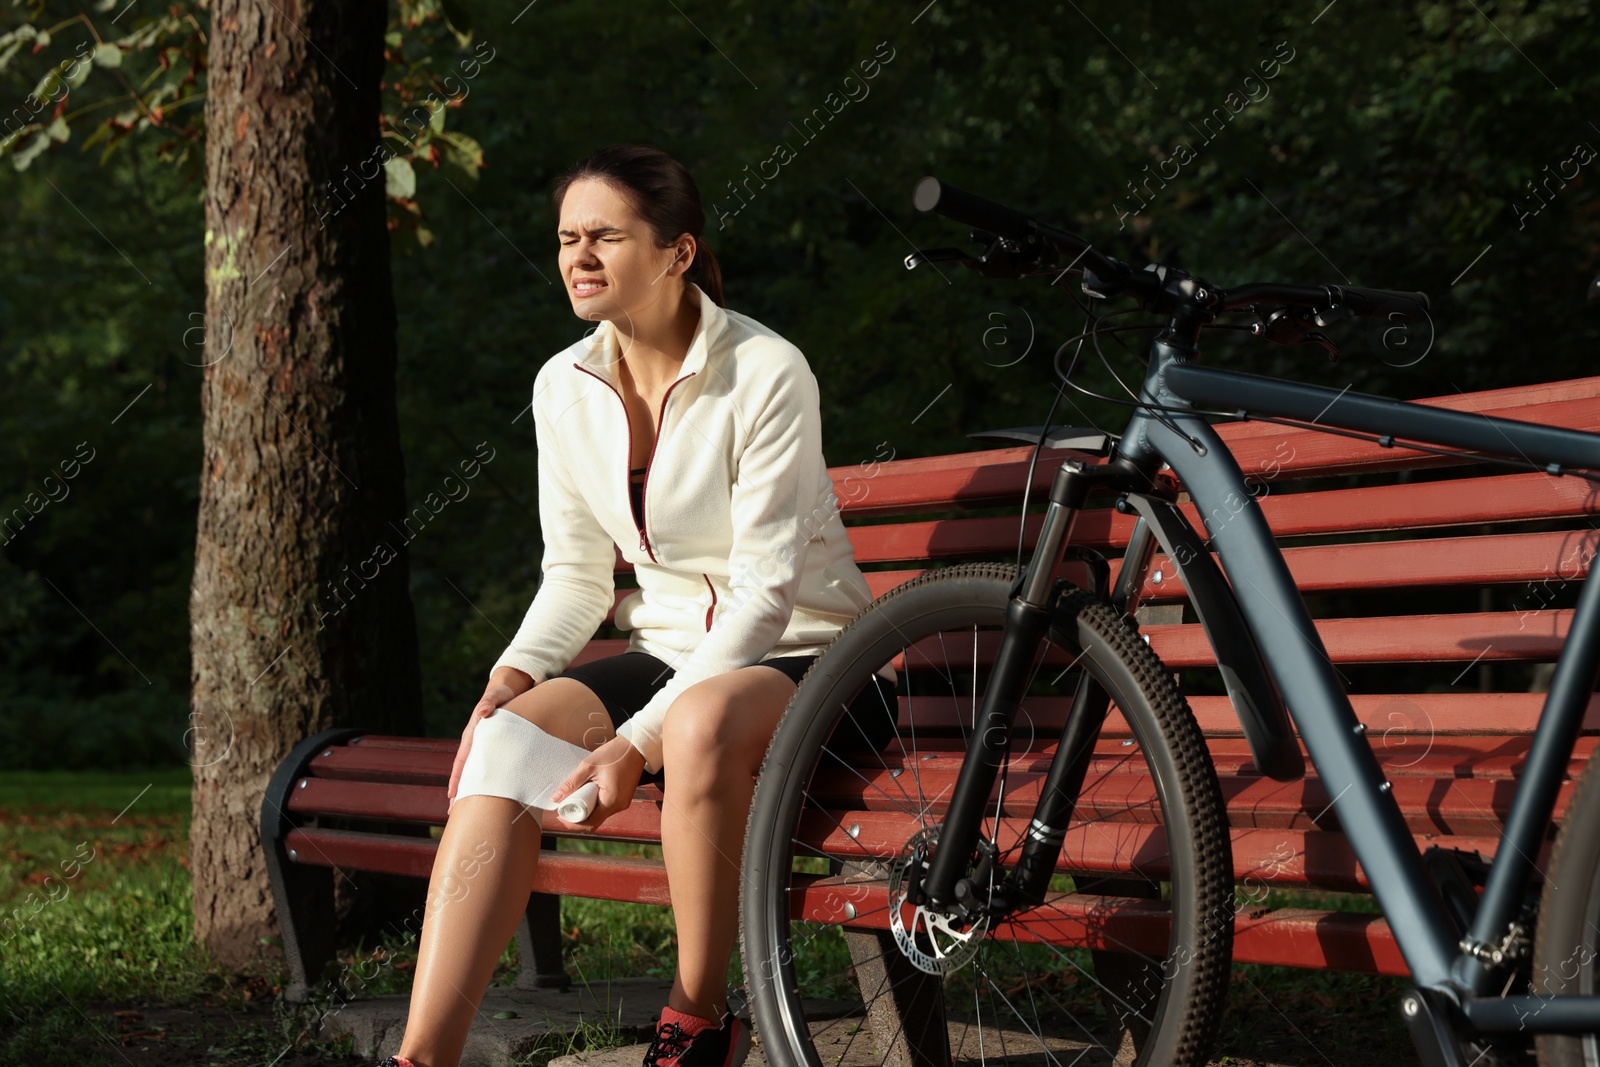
{"points": [[689, 438]]}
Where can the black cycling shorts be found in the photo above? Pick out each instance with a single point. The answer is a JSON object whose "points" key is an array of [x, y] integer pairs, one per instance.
{"points": [[625, 683]]}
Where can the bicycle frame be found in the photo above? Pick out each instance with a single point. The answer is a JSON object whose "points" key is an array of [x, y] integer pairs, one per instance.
{"points": [[1321, 709], [1453, 973]]}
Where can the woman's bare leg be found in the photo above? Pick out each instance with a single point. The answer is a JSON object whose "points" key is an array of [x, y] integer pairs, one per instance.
{"points": [[480, 883], [713, 740]]}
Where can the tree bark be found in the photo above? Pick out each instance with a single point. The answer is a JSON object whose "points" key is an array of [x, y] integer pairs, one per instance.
{"points": [[300, 610]]}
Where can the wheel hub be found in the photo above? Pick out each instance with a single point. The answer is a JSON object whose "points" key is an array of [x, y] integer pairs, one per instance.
{"points": [[935, 941]]}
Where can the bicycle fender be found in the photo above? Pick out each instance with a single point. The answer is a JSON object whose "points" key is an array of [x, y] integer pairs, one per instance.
{"points": [[1254, 696]]}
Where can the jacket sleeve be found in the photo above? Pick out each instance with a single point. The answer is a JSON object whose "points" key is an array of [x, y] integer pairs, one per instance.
{"points": [[577, 586], [775, 489]]}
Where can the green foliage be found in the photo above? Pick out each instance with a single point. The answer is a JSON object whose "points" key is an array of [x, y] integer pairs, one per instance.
{"points": [[1392, 150], [152, 70], [88, 77]]}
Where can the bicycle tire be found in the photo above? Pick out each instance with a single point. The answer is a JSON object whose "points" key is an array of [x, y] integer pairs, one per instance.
{"points": [[1567, 939], [1173, 992]]}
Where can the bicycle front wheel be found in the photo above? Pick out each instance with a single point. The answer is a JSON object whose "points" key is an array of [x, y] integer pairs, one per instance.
{"points": [[1126, 959], [1567, 944]]}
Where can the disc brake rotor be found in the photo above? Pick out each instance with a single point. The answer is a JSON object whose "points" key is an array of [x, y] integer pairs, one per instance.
{"points": [[931, 940]]}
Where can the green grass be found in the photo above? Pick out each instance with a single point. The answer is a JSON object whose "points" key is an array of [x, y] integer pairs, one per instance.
{"points": [[94, 902], [97, 792], [595, 1033], [606, 939]]}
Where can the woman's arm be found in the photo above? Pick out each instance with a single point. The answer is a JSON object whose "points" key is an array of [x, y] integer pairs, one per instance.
{"points": [[511, 681], [578, 583], [781, 476]]}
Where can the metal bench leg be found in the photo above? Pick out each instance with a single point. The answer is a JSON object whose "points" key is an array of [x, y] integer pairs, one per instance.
{"points": [[301, 894], [905, 1006], [539, 938], [303, 897]]}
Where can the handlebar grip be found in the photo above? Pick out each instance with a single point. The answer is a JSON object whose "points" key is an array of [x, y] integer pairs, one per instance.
{"points": [[933, 195], [1375, 299]]}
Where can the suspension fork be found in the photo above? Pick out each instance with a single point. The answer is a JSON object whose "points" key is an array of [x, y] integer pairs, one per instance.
{"points": [[1041, 847], [1028, 617]]}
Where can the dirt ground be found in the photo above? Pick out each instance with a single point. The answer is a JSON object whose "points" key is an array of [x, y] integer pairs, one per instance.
{"points": [[207, 1033], [201, 1033]]}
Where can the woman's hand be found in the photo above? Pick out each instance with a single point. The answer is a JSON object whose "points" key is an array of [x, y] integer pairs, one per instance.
{"points": [[615, 768], [501, 690]]}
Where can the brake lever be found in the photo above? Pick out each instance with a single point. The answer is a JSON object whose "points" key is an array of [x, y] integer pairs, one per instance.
{"points": [[1318, 337], [1292, 326], [1002, 257], [1005, 258]]}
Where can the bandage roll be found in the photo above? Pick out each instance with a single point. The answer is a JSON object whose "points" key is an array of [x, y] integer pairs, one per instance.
{"points": [[511, 757], [576, 808]]}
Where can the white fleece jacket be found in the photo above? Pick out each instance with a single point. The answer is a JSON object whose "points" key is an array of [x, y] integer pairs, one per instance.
{"points": [[742, 556]]}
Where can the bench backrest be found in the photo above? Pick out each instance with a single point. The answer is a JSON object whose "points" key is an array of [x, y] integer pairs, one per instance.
{"points": [[1443, 526]]}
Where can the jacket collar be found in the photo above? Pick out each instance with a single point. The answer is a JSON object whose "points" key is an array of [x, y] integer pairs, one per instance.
{"points": [[599, 353]]}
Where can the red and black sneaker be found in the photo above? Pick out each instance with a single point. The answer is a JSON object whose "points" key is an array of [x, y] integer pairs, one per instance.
{"points": [[396, 1061], [689, 1041]]}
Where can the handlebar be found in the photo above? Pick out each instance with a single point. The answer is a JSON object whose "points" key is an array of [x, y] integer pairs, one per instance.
{"points": [[1029, 234], [933, 195], [1360, 301], [1031, 247]]}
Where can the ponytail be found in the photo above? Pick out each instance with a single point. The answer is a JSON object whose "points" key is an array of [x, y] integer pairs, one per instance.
{"points": [[705, 271]]}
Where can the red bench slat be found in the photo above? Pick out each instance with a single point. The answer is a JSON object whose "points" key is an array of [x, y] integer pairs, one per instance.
{"points": [[396, 766], [369, 800], [1372, 509], [1119, 791], [1558, 556], [1322, 454], [1272, 858], [1467, 637], [1429, 714], [1289, 937], [1486, 636], [1340, 941], [427, 804], [1386, 508], [562, 873], [995, 476]]}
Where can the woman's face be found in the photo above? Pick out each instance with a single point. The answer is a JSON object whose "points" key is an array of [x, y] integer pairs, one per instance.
{"points": [[609, 260]]}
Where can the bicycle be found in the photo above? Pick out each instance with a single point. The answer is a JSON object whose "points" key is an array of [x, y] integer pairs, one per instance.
{"points": [[973, 900]]}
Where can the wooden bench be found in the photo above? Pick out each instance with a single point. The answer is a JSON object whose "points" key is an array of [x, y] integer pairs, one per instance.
{"points": [[1438, 594]]}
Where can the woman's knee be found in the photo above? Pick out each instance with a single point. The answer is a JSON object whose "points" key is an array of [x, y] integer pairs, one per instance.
{"points": [[565, 708], [716, 726]]}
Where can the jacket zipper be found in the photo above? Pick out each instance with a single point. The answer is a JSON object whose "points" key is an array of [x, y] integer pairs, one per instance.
{"points": [[644, 490], [713, 606]]}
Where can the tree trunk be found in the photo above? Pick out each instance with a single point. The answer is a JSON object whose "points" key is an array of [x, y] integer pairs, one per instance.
{"points": [[300, 611]]}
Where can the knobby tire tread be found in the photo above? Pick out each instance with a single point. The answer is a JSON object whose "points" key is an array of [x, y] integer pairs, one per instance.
{"points": [[1564, 907], [1193, 788]]}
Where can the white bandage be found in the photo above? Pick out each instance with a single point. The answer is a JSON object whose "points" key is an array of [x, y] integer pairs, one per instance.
{"points": [[577, 805], [511, 757]]}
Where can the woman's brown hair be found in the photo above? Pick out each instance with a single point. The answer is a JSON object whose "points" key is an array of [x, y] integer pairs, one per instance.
{"points": [[662, 193]]}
